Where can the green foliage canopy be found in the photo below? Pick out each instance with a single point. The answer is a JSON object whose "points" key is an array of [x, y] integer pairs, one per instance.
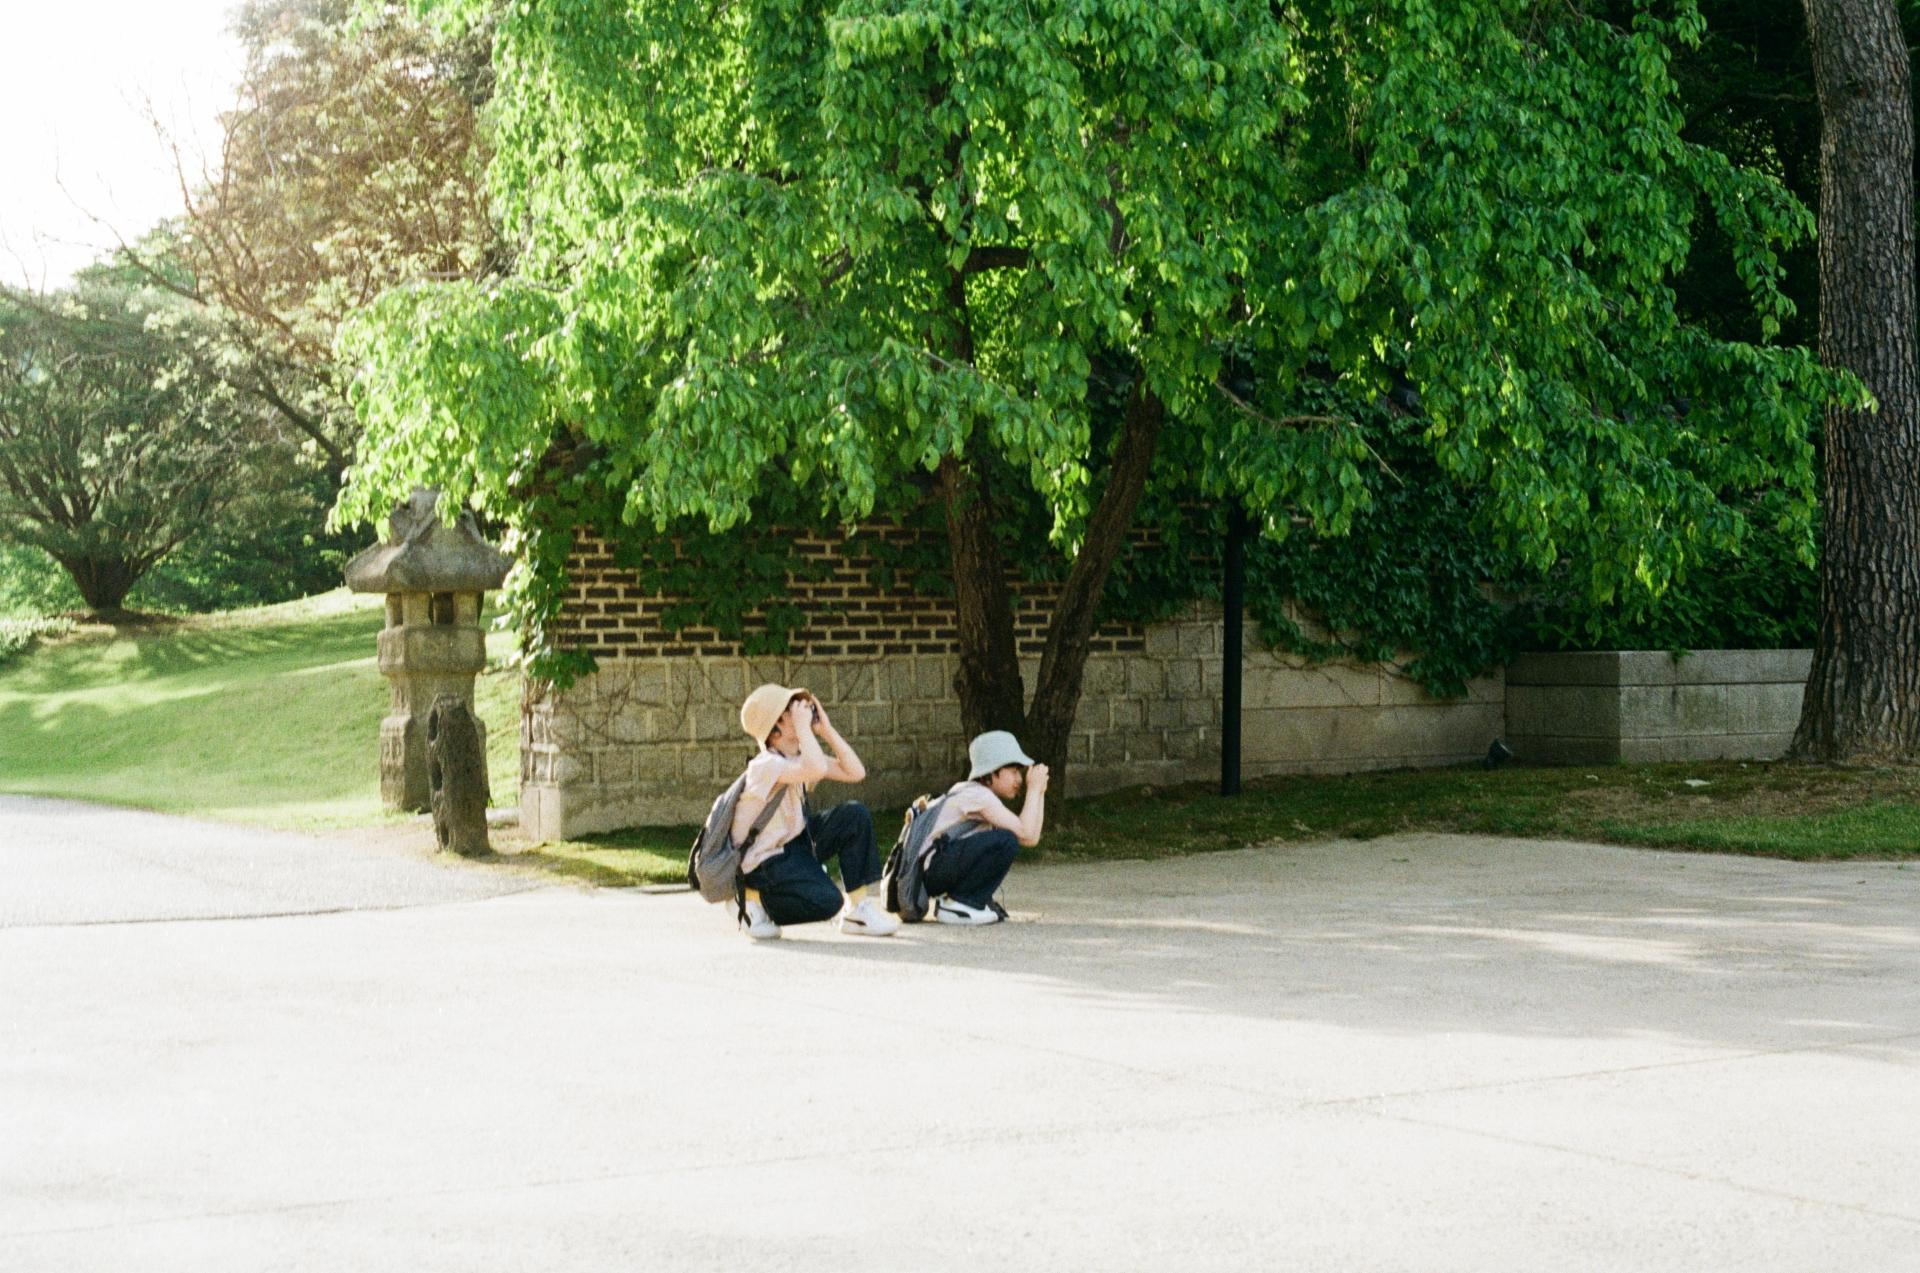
{"points": [[824, 245]]}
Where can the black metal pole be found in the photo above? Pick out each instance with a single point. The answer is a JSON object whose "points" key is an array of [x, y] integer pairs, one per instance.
{"points": [[1232, 605]]}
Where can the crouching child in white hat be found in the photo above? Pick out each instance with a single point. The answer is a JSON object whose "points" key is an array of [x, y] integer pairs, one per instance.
{"points": [[976, 837], [783, 869]]}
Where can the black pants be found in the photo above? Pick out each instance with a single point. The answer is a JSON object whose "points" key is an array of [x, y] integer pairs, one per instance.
{"points": [[793, 885], [969, 868]]}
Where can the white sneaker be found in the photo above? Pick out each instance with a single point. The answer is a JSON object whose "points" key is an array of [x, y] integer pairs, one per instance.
{"points": [[948, 911], [869, 919], [759, 924]]}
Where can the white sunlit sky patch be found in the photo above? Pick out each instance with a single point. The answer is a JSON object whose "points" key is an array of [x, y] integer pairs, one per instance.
{"points": [[80, 161]]}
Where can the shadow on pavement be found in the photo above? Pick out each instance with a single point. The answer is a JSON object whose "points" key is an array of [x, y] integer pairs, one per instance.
{"points": [[1574, 940]]}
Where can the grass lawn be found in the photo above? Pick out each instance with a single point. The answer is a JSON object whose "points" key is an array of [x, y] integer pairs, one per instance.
{"points": [[1778, 810], [1774, 810], [269, 716]]}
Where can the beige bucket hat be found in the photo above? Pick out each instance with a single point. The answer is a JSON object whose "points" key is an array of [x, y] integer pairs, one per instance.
{"points": [[994, 749], [763, 709]]}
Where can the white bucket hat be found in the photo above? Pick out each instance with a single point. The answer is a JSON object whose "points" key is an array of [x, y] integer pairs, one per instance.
{"points": [[994, 749], [764, 708]]}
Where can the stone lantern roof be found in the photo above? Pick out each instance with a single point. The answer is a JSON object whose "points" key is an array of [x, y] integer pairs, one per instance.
{"points": [[422, 554]]}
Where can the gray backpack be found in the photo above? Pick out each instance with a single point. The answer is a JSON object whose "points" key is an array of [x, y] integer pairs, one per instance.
{"points": [[713, 864], [905, 885]]}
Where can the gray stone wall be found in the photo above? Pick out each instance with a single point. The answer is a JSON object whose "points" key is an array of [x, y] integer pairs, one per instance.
{"points": [[1644, 705], [652, 740]]}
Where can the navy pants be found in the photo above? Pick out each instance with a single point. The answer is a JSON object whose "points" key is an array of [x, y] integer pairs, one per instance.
{"points": [[969, 868], [793, 884]]}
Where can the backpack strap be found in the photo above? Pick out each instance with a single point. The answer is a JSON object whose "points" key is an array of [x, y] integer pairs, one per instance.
{"points": [[760, 823], [753, 833], [932, 812]]}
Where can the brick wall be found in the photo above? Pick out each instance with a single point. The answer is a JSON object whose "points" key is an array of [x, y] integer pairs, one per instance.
{"points": [[654, 734], [610, 614]]}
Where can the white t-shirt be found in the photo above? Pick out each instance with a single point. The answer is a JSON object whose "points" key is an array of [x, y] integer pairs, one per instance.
{"points": [[967, 799], [763, 777]]}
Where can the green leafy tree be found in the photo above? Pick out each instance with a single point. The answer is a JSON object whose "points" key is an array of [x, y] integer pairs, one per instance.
{"points": [[118, 438], [880, 251]]}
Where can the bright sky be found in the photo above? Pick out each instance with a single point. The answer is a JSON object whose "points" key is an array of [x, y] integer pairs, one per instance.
{"points": [[75, 78]]}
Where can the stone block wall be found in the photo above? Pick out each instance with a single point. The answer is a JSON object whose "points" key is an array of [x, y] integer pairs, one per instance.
{"points": [[654, 735], [1646, 705]]}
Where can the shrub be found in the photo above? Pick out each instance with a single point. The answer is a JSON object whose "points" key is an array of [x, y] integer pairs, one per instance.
{"points": [[17, 636]]}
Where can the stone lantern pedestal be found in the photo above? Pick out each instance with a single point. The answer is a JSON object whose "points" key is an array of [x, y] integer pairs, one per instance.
{"points": [[434, 577]]}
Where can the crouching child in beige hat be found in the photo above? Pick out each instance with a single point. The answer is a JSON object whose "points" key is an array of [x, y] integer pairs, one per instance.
{"points": [[783, 869], [975, 836]]}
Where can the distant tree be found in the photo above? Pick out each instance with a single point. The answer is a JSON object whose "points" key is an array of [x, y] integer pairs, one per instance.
{"points": [[1863, 694], [119, 437], [865, 246], [350, 163]]}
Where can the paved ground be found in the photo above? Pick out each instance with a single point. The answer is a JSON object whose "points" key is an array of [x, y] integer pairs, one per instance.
{"points": [[69, 863], [1423, 1054]]}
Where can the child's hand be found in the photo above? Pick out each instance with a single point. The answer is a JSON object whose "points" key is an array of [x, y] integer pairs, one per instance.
{"points": [[1037, 779]]}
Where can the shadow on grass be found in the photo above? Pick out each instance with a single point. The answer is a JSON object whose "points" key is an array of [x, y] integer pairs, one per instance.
{"points": [[335, 639], [641, 856], [1766, 809]]}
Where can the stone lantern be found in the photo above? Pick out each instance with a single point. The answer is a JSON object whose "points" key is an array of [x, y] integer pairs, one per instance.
{"points": [[433, 576]]}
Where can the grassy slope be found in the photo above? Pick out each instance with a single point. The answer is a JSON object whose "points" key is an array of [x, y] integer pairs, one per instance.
{"points": [[269, 716]]}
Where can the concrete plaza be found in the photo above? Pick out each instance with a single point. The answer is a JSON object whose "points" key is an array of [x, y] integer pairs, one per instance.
{"points": [[230, 1050]]}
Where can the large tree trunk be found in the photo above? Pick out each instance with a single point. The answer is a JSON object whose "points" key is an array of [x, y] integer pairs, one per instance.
{"points": [[988, 682], [1056, 694], [1863, 696], [103, 581]]}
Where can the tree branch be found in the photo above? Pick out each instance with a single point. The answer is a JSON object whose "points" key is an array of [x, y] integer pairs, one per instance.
{"points": [[981, 259], [1278, 422]]}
